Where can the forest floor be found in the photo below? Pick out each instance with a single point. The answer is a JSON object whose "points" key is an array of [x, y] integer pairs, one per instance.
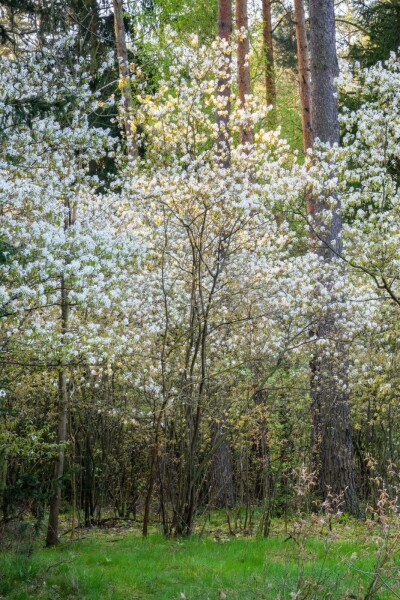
{"points": [[349, 562]]}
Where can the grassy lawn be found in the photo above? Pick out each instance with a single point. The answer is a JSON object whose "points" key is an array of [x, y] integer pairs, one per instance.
{"points": [[121, 565]]}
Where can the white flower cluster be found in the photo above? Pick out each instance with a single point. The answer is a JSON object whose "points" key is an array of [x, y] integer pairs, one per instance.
{"points": [[180, 268]]}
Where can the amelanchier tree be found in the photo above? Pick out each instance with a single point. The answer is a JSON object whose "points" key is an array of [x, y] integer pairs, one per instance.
{"points": [[148, 300], [66, 255], [369, 168], [217, 267]]}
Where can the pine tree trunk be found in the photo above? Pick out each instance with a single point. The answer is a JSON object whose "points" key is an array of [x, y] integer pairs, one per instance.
{"points": [[268, 51], [149, 493], [303, 72], [94, 36], [222, 478], [3, 481], [243, 66], [324, 70], [221, 464], [52, 528], [332, 422], [122, 54], [224, 90]]}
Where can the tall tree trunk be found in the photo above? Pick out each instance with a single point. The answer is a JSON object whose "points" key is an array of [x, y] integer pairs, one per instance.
{"points": [[3, 481], [52, 527], [94, 35], [303, 72], [332, 432], [122, 54], [222, 477], [150, 487], [268, 52], [221, 464], [224, 88], [243, 66], [324, 70]]}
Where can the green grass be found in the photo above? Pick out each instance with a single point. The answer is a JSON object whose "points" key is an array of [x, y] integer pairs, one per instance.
{"points": [[122, 567]]}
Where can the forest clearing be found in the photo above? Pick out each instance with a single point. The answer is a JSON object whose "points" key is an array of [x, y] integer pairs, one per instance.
{"points": [[349, 560], [199, 299]]}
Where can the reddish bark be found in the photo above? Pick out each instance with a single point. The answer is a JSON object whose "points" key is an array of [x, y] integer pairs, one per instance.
{"points": [[243, 67], [268, 51], [122, 53], [303, 72], [224, 90]]}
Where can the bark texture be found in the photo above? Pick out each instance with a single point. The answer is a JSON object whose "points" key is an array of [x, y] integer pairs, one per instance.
{"points": [[324, 70], [303, 72], [243, 66], [122, 54], [221, 464], [224, 89], [333, 444], [222, 479], [268, 51], [55, 501], [94, 35], [3, 481]]}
